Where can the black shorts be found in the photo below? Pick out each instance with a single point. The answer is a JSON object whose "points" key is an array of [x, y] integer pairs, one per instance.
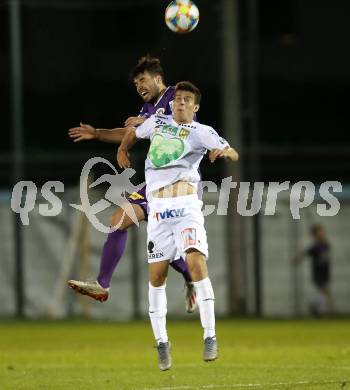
{"points": [[321, 277]]}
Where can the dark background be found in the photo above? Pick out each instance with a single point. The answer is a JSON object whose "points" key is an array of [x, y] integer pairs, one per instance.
{"points": [[77, 56]]}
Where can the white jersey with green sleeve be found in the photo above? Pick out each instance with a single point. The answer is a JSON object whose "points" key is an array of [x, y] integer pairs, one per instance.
{"points": [[176, 150]]}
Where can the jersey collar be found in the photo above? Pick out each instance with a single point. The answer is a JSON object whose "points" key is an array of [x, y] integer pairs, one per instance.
{"points": [[160, 97]]}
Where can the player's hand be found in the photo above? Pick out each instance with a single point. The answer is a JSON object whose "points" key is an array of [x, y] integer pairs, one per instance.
{"points": [[134, 121], [228, 153], [216, 153], [83, 132], [123, 158]]}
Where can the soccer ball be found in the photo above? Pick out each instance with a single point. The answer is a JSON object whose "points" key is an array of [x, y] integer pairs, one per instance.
{"points": [[182, 16]]}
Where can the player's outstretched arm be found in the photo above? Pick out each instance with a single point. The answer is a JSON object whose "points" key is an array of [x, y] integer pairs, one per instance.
{"points": [[134, 121], [299, 257], [88, 132], [127, 142], [227, 152]]}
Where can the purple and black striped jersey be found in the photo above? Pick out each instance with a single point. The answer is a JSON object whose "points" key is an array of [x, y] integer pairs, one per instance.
{"points": [[162, 106]]}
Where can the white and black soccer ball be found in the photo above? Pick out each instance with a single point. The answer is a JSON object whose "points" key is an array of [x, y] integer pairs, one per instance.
{"points": [[182, 16]]}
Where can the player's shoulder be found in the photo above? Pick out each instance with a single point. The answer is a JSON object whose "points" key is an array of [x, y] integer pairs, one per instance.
{"points": [[171, 89], [207, 128], [169, 94]]}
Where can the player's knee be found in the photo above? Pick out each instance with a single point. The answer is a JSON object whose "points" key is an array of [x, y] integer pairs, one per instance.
{"points": [[194, 259], [196, 272], [196, 264], [117, 220], [157, 280]]}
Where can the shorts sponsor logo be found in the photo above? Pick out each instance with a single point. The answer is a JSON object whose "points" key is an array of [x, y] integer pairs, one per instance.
{"points": [[174, 213], [189, 236], [152, 254]]}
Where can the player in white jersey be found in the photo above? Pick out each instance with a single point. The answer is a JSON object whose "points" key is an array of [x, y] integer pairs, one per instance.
{"points": [[176, 222]]}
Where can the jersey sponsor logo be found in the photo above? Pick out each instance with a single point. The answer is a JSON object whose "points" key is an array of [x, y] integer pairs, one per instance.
{"points": [[184, 133], [168, 129], [189, 236], [160, 122], [174, 213], [163, 151], [165, 128], [136, 196]]}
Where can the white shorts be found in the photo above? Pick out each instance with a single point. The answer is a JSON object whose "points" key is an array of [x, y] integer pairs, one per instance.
{"points": [[175, 225]]}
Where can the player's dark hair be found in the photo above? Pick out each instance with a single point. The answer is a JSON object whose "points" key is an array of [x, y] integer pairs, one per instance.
{"points": [[189, 87], [148, 64]]}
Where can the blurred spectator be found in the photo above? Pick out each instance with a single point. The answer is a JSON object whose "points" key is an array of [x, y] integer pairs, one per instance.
{"points": [[319, 254]]}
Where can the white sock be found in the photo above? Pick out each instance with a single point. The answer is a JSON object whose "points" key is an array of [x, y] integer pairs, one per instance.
{"points": [[157, 312], [205, 300]]}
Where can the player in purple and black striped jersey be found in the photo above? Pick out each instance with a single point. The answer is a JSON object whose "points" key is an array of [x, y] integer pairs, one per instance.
{"points": [[148, 78]]}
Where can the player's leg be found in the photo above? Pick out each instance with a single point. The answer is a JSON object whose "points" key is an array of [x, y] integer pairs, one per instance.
{"points": [[113, 250], [160, 247], [157, 299], [191, 239], [322, 303], [326, 278], [157, 311], [115, 244], [205, 298], [180, 265]]}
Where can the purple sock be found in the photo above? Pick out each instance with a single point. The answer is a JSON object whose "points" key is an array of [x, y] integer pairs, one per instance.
{"points": [[180, 265], [113, 250]]}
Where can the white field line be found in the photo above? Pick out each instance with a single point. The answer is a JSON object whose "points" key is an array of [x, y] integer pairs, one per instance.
{"points": [[243, 385], [280, 366]]}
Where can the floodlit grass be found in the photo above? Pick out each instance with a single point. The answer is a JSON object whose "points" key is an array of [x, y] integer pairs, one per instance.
{"points": [[301, 354]]}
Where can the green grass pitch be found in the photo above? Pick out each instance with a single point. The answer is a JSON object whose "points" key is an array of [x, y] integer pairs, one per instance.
{"points": [[266, 354]]}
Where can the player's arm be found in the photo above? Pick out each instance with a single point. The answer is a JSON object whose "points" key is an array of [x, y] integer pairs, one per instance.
{"points": [[123, 156], [227, 152], [218, 146], [130, 138], [88, 132], [134, 121], [302, 255]]}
